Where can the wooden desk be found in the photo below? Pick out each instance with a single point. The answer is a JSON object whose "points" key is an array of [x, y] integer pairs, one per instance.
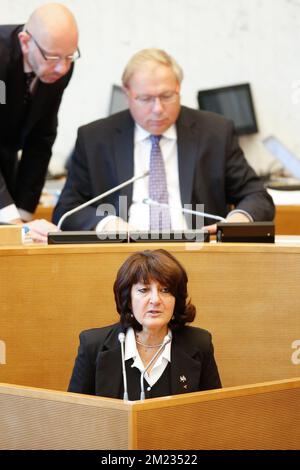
{"points": [[246, 295], [287, 220], [262, 416]]}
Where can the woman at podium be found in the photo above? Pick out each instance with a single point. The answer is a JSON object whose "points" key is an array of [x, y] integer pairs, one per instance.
{"points": [[150, 352]]}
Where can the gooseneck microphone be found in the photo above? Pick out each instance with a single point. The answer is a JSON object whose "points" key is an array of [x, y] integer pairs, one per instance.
{"points": [[151, 202], [121, 338], [166, 340], [101, 196]]}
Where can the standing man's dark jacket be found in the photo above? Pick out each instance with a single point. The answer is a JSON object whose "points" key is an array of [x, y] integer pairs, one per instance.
{"points": [[30, 128]]}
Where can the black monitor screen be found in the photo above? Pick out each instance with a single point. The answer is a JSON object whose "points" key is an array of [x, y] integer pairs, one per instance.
{"points": [[234, 102]]}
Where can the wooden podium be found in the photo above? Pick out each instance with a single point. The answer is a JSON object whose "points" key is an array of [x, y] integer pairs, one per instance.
{"points": [[261, 416], [246, 295]]}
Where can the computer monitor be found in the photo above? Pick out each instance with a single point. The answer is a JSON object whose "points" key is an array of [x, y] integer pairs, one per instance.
{"points": [[118, 100], [234, 102]]}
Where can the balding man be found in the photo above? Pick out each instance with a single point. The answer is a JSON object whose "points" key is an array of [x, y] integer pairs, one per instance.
{"points": [[36, 64], [193, 157]]}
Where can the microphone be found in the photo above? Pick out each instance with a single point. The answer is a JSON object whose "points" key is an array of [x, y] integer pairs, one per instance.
{"points": [[121, 338], [166, 340], [101, 196], [150, 202]]}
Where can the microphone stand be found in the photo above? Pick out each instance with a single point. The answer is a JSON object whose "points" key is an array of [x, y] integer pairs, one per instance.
{"points": [[167, 340], [100, 196], [151, 202], [121, 338]]}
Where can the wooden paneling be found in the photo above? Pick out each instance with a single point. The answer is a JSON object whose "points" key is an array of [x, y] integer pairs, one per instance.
{"points": [[262, 416], [40, 419], [287, 220], [10, 235], [246, 295]]}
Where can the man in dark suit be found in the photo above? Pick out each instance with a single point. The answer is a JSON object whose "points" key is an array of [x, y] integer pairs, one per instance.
{"points": [[203, 163], [36, 64]]}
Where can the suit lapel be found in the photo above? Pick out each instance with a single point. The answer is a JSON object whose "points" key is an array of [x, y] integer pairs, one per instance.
{"points": [[185, 371], [37, 107], [109, 373], [16, 88], [123, 154], [109, 377], [187, 151]]}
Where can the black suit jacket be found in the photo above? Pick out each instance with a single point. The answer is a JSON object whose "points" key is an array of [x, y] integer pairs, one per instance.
{"points": [[212, 168], [98, 367], [32, 131]]}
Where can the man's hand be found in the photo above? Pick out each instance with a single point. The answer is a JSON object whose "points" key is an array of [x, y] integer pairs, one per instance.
{"points": [[231, 218], [116, 225], [237, 217], [38, 230], [212, 229]]}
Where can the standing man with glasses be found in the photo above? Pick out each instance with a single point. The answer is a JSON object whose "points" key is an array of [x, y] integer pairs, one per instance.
{"points": [[193, 157], [36, 64]]}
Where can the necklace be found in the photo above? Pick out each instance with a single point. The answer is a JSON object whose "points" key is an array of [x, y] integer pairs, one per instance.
{"points": [[148, 345]]}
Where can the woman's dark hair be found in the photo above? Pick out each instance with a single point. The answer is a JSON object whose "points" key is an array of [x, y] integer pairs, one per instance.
{"points": [[161, 266]]}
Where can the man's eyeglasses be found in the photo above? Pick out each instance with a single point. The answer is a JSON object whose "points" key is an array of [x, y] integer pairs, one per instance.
{"points": [[164, 98], [55, 58]]}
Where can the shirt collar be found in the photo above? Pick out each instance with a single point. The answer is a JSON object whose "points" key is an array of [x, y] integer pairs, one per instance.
{"points": [[131, 351], [141, 134], [130, 344]]}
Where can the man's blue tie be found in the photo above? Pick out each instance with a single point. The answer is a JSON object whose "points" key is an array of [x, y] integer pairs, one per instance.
{"points": [[158, 191]]}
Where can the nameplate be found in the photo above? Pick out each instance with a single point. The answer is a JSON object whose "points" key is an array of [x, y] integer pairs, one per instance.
{"points": [[246, 232]]}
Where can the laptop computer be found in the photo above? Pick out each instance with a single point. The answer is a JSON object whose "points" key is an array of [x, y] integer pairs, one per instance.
{"points": [[289, 162]]}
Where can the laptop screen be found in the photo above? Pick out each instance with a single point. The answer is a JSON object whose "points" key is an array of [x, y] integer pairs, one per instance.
{"points": [[288, 160]]}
